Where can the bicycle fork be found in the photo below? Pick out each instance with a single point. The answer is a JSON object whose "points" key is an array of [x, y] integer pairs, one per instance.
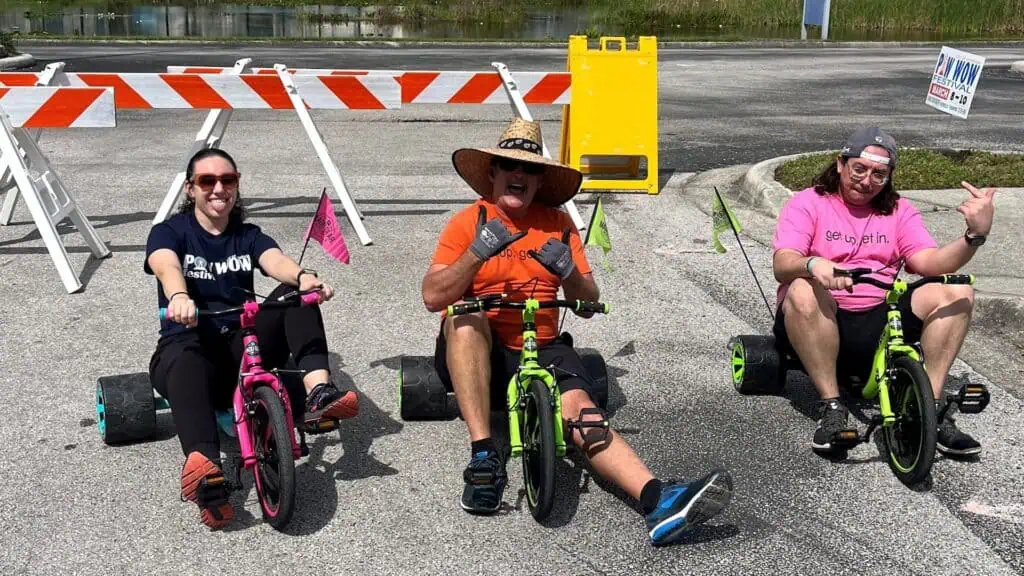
{"points": [[251, 376]]}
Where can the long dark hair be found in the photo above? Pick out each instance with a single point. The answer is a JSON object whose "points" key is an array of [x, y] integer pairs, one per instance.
{"points": [[827, 182], [238, 213]]}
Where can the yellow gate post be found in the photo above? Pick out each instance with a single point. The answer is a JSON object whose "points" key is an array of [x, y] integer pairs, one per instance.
{"points": [[610, 126]]}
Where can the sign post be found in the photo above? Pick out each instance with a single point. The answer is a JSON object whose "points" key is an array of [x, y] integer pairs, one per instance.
{"points": [[954, 80], [816, 14]]}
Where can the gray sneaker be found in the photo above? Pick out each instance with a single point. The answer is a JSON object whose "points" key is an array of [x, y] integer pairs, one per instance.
{"points": [[951, 440], [834, 417]]}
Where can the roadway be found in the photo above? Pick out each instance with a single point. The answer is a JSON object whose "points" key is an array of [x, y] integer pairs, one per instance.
{"points": [[384, 498]]}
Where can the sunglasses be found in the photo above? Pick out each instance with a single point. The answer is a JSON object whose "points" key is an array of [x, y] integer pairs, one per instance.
{"points": [[509, 165], [210, 180]]}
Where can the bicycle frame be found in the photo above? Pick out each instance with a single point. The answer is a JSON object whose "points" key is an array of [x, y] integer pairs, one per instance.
{"points": [[251, 375], [889, 345], [530, 369]]}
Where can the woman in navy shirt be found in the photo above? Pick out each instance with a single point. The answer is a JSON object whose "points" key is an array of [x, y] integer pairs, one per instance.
{"points": [[204, 258]]}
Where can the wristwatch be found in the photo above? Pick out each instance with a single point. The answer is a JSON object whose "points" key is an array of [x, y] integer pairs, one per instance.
{"points": [[974, 240]]}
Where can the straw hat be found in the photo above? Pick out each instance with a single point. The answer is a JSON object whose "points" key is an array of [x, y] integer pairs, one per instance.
{"points": [[520, 141]]}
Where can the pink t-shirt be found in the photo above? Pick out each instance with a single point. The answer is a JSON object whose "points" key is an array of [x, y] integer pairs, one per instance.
{"points": [[852, 237]]}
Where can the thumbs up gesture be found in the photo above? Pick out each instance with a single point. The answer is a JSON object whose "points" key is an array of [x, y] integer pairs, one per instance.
{"points": [[978, 210], [556, 256]]}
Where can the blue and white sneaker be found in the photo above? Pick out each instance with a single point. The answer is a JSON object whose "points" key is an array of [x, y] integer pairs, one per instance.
{"points": [[682, 506]]}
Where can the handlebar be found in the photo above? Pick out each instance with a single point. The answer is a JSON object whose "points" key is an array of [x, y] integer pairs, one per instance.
{"points": [[308, 298], [859, 277], [499, 302]]}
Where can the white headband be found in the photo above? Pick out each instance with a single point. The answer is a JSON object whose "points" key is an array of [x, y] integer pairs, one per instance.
{"points": [[874, 157]]}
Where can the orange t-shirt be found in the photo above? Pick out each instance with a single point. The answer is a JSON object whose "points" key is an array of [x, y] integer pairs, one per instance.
{"points": [[513, 271]]}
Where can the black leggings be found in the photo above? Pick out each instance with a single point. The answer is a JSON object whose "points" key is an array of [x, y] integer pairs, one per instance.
{"points": [[197, 370]]}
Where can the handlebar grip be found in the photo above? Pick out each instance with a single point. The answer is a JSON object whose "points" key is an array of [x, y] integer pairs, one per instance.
{"points": [[598, 307], [163, 313], [468, 308]]}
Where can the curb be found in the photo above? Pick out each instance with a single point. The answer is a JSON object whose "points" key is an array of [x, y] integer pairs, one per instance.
{"points": [[760, 188], [15, 62]]}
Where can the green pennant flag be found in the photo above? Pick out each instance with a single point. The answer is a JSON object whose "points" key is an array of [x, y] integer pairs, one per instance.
{"points": [[597, 231], [722, 219]]}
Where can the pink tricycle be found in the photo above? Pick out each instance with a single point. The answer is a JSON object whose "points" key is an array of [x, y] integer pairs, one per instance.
{"points": [[264, 423]]}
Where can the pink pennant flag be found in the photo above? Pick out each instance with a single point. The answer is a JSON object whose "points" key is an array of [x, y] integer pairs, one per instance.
{"points": [[325, 229]]}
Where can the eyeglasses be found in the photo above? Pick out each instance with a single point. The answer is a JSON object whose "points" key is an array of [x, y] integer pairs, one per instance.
{"points": [[210, 180], [859, 171], [509, 165]]}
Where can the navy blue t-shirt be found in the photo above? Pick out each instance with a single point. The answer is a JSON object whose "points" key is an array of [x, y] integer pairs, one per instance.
{"points": [[217, 269]]}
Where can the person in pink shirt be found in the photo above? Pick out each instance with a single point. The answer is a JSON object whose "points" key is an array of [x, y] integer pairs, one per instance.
{"points": [[852, 217]]}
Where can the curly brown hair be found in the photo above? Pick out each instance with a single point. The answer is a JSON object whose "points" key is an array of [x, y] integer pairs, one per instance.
{"points": [[827, 182], [238, 212]]}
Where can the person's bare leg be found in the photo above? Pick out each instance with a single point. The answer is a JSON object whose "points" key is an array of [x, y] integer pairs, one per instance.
{"points": [[946, 311], [810, 315], [610, 457], [468, 355]]}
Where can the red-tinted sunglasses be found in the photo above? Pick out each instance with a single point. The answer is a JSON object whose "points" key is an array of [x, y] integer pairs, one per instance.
{"points": [[210, 180]]}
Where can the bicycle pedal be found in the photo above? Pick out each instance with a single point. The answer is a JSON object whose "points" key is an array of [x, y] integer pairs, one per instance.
{"points": [[321, 426], [602, 425], [972, 398], [213, 491], [846, 438]]}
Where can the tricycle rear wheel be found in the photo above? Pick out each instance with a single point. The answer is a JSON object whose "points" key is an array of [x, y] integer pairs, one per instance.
{"points": [[125, 408], [757, 367], [275, 463]]}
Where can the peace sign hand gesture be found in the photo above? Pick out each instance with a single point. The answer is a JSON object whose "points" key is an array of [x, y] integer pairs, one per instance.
{"points": [[978, 209]]}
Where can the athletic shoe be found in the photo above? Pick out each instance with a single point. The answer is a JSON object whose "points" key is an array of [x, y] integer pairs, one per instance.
{"points": [[326, 401], [203, 483], [952, 440], [683, 506], [485, 483]]}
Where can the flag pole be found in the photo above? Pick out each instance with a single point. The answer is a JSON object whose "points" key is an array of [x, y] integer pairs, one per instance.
{"points": [[306, 244], [728, 219]]}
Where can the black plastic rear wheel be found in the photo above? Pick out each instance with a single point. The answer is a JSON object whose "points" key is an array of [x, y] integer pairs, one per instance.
{"points": [[757, 367], [125, 408], [910, 441], [537, 432]]}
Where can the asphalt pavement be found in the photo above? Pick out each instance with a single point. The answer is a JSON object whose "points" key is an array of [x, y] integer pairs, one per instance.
{"points": [[384, 498]]}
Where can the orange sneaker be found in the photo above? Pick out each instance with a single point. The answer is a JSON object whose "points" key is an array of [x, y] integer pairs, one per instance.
{"points": [[326, 402], [203, 483]]}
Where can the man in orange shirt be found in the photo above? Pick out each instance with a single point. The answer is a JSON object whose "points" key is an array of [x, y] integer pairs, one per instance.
{"points": [[515, 240]]}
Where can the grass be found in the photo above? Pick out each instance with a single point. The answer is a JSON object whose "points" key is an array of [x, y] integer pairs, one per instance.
{"points": [[7, 46], [922, 169], [850, 19]]}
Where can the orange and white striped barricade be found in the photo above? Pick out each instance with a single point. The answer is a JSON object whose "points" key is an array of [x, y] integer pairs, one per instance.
{"points": [[461, 87], [24, 108], [7, 182], [157, 90], [210, 135]]}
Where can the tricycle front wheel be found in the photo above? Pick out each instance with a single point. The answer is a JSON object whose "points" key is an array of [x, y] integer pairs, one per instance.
{"points": [[275, 463], [537, 431]]}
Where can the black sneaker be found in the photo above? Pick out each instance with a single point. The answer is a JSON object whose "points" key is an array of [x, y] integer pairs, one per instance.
{"points": [[833, 418], [952, 440], [485, 483]]}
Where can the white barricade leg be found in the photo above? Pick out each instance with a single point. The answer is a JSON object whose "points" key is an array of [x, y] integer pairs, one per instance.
{"points": [[354, 217], [515, 98], [48, 201], [209, 136], [8, 185]]}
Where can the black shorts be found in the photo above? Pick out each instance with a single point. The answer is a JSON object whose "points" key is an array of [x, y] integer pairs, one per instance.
{"points": [[505, 361], [859, 334]]}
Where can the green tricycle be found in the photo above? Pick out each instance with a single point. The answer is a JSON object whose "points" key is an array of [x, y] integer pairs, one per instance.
{"points": [[898, 382], [534, 399]]}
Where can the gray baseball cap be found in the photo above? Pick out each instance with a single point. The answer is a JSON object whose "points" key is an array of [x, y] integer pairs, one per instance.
{"points": [[870, 136]]}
